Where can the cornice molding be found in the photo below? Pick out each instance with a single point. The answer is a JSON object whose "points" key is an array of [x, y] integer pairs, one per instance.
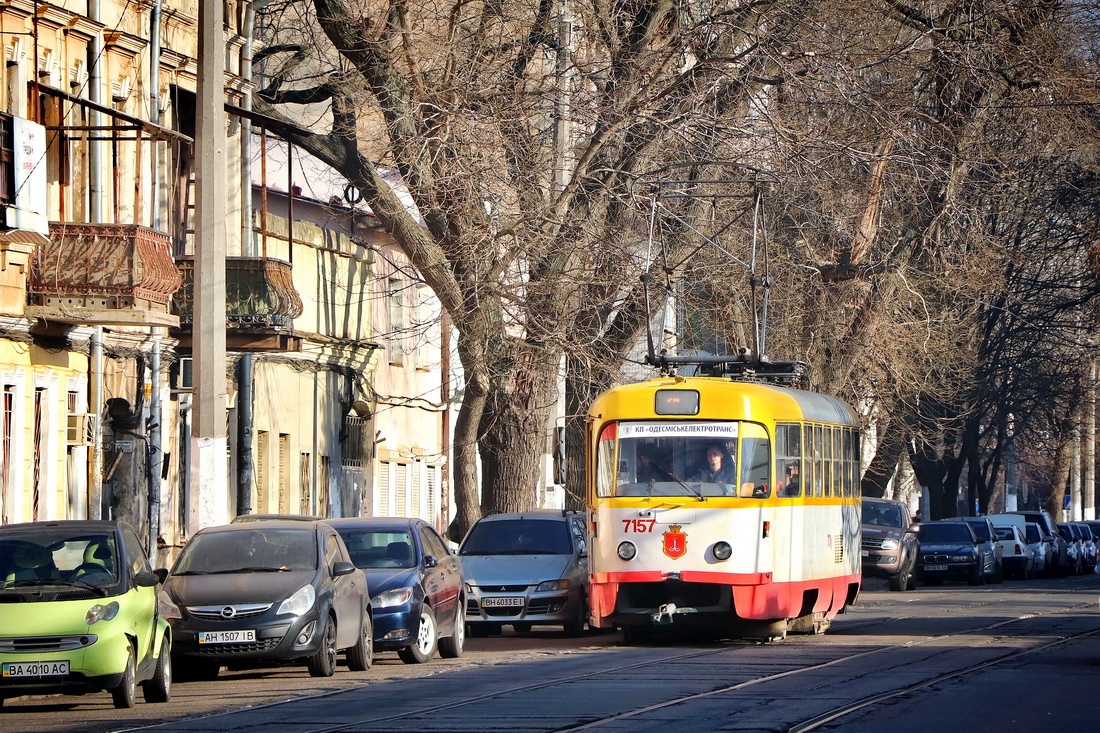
{"points": [[128, 44]]}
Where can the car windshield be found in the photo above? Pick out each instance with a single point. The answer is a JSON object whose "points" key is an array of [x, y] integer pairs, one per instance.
{"points": [[945, 532], [518, 537], [1033, 535], [882, 515], [981, 530], [58, 556], [249, 550], [379, 548]]}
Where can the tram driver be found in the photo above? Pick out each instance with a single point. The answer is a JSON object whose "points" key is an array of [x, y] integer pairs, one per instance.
{"points": [[718, 466]]}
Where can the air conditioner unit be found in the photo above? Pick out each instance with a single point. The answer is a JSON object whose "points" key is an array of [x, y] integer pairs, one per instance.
{"points": [[80, 429], [186, 380]]}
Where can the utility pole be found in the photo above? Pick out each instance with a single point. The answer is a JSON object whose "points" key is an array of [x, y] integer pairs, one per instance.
{"points": [[1088, 493], [208, 490]]}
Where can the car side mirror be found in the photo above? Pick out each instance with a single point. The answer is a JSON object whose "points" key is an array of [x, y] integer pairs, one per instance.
{"points": [[162, 573], [430, 561], [148, 579], [914, 527], [342, 567]]}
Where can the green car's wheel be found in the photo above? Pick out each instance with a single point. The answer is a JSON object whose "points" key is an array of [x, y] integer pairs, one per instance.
{"points": [[159, 687], [125, 692]]}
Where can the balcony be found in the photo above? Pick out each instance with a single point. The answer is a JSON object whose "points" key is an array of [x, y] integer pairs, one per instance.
{"points": [[103, 274], [261, 304]]}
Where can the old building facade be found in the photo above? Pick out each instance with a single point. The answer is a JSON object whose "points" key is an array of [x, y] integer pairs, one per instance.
{"points": [[336, 400]]}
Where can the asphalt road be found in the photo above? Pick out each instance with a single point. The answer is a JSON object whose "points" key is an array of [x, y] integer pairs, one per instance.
{"points": [[1013, 657]]}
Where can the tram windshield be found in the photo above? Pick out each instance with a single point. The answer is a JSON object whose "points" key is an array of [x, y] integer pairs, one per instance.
{"points": [[702, 459]]}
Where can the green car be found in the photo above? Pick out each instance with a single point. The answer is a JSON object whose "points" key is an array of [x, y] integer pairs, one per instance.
{"points": [[79, 613]]}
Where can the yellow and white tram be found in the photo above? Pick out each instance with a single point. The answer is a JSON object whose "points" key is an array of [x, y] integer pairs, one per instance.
{"points": [[728, 504]]}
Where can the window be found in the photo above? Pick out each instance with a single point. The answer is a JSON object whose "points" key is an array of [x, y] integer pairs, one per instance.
{"points": [[756, 458], [332, 550], [433, 545], [395, 338], [788, 460], [138, 562]]}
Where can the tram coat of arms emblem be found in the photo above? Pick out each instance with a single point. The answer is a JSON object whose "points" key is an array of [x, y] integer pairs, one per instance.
{"points": [[675, 542]]}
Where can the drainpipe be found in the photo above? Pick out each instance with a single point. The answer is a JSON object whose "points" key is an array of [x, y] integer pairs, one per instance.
{"points": [[154, 105], [155, 456], [155, 459], [245, 424], [95, 94], [95, 480]]}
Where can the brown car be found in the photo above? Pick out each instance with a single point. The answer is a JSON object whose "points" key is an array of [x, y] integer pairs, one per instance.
{"points": [[889, 545]]}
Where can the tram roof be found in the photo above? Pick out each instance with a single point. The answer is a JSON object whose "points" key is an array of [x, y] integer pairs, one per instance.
{"points": [[787, 403]]}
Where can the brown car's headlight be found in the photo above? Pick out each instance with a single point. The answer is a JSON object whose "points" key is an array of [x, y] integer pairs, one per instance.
{"points": [[890, 544]]}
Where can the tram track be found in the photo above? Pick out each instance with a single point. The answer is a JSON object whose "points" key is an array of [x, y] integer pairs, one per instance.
{"points": [[618, 672], [845, 710], [849, 708]]}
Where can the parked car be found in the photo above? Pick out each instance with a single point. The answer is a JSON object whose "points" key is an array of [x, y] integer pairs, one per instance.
{"points": [[263, 592], [80, 613], [1075, 560], [889, 544], [415, 584], [1044, 520], [1088, 544], [269, 517], [526, 568], [1019, 558], [949, 550], [992, 560], [1042, 547]]}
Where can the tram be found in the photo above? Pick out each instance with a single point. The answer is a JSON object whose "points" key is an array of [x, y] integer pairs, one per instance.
{"points": [[729, 503]]}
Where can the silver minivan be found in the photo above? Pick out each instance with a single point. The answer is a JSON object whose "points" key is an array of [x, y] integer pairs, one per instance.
{"points": [[526, 569]]}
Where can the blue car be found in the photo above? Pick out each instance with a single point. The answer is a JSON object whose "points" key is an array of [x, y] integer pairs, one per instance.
{"points": [[415, 584]]}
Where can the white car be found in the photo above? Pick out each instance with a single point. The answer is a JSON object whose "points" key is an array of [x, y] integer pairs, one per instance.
{"points": [[1018, 557]]}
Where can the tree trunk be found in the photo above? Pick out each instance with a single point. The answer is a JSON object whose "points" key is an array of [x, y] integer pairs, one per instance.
{"points": [[514, 431], [582, 386], [884, 464], [1059, 476]]}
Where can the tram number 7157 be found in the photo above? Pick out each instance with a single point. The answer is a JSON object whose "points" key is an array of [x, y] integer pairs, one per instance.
{"points": [[641, 526]]}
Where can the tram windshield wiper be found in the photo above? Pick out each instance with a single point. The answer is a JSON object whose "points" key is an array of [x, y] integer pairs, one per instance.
{"points": [[698, 492]]}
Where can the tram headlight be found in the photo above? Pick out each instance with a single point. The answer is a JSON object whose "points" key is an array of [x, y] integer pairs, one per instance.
{"points": [[890, 544], [722, 550], [627, 550]]}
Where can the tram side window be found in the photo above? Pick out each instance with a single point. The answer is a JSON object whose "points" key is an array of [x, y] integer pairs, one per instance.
{"points": [[851, 480], [853, 457], [808, 460], [840, 476], [788, 460], [819, 463], [756, 459], [827, 458], [605, 462]]}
